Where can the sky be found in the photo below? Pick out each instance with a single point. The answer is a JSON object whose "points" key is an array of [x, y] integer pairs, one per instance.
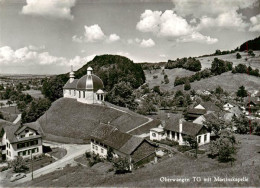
{"points": [[48, 36]]}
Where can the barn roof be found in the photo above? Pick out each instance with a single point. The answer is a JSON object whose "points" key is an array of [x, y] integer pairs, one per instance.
{"points": [[111, 136]]}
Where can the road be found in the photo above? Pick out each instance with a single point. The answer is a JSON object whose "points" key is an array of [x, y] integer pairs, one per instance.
{"points": [[17, 119], [73, 150]]}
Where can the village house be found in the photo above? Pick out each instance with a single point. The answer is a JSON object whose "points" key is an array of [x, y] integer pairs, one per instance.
{"points": [[24, 141], [176, 128], [88, 89], [107, 138], [228, 106], [251, 104]]}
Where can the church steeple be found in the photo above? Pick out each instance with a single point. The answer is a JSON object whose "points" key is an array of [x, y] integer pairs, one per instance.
{"points": [[71, 74]]}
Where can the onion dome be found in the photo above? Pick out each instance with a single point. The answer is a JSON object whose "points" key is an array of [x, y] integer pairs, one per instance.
{"points": [[90, 82]]}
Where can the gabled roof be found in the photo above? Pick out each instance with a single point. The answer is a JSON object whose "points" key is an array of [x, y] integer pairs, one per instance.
{"points": [[13, 131], [191, 129], [258, 94], [71, 85], [188, 128], [30, 126], [111, 136], [210, 106], [210, 116], [196, 111]]}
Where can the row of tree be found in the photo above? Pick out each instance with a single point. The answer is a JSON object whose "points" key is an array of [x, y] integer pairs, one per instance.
{"points": [[190, 63], [242, 68]]}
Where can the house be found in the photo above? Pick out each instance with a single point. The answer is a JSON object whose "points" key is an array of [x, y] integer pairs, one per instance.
{"points": [[176, 128], [88, 89], [193, 113], [251, 104], [20, 141], [208, 106], [228, 106], [204, 118], [107, 138]]}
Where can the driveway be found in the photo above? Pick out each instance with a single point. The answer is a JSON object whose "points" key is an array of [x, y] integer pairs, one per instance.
{"points": [[73, 150]]}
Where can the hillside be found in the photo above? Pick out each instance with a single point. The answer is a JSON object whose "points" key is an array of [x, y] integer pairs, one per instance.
{"points": [[227, 81], [70, 121], [251, 44]]}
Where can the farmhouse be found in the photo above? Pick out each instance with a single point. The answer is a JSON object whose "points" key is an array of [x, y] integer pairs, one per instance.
{"points": [[88, 89], [228, 106], [108, 138], [176, 128], [20, 141]]}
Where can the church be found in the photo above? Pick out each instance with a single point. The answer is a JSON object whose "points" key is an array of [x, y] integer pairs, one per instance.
{"points": [[88, 89]]}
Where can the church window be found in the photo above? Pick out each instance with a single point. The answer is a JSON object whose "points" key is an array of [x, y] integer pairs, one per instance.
{"points": [[98, 97], [79, 94], [102, 150], [74, 92], [154, 135], [83, 94]]}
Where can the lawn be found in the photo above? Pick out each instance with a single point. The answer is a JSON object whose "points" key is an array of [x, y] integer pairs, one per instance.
{"points": [[69, 121], [173, 167], [10, 113]]}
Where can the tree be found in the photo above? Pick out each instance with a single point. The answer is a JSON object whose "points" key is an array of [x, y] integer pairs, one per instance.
{"points": [[187, 85], [121, 94], [157, 89], [121, 165], [166, 79], [251, 53], [148, 106], [9, 102], [219, 66], [110, 154], [242, 125], [192, 141], [219, 90], [215, 125], [238, 56], [1, 115], [242, 92], [18, 164]]}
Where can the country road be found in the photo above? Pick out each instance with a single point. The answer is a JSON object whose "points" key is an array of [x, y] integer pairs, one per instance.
{"points": [[73, 150]]}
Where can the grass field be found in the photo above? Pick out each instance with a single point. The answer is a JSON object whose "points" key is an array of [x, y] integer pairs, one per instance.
{"points": [[68, 118], [10, 113], [172, 167], [227, 81], [34, 93]]}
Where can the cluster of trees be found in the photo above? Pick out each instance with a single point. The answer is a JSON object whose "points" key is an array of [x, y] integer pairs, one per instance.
{"points": [[190, 63], [242, 68], [122, 95], [35, 109], [224, 147], [219, 52], [218, 66], [245, 126], [251, 44], [197, 76], [152, 66]]}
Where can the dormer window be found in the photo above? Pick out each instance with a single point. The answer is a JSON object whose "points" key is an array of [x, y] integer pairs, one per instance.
{"points": [[22, 136], [31, 134], [26, 130]]}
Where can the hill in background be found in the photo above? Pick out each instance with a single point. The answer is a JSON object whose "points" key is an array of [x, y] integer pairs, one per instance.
{"points": [[69, 121], [251, 45]]}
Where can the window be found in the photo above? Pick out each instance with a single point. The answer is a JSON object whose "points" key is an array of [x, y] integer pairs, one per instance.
{"points": [[93, 146], [153, 134], [22, 136], [31, 134], [102, 150], [70, 92], [79, 94], [83, 94], [19, 153], [205, 137], [26, 130], [96, 148], [199, 139], [6, 144], [74, 92], [24, 153]]}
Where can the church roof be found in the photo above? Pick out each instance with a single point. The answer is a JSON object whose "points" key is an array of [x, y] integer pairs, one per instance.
{"points": [[71, 85], [90, 82]]}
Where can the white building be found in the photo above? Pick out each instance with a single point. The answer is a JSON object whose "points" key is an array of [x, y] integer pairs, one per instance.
{"points": [[176, 128], [20, 141], [88, 89], [228, 106]]}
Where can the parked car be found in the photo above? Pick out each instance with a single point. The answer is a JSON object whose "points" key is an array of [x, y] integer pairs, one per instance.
{"points": [[17, 176]]}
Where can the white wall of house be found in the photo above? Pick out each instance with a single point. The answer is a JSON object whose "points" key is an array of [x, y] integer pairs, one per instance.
{"points": [[199, 107], [88, 97], [98, 149], [69, 93], [12, 151], [154, 135]]}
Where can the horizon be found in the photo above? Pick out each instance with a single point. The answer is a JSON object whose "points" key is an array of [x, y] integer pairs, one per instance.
{"points": [[47, 38]]}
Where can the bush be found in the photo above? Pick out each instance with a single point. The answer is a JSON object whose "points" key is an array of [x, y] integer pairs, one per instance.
{"points": [[121, 165], [88, 154], [238, 56], [191, 64]]}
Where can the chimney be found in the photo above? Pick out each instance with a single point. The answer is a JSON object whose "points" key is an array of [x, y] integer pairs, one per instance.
{"points": [[71, 75], [180, 125]]}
